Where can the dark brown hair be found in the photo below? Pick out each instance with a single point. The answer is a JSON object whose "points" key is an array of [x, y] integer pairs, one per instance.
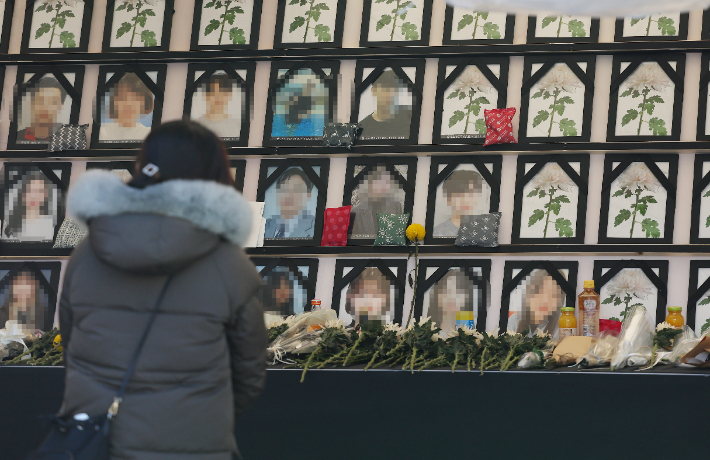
{"points": [[131, 82], [462, 181]]}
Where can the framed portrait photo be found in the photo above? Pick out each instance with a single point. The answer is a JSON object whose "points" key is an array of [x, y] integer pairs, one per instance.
{"points": [[56, 26], [460, 186], [309, 24], [550, 199], [454, 293], [288, 285], [369, 291], [377, 185], [700, 211], [646, 100], [135, 25], [387, 104], [534, 293], [33, 203], [129, 102], [703, 105], [28, 294], [302, 101], [395, 23], [226, 24], [562, 29], [467, 87], [293, 192], [46, 97], [698, 310], [624, 284], [656, 27], [557, 99], [6, 12], [219, 97], [467, 27], [638, 199]]}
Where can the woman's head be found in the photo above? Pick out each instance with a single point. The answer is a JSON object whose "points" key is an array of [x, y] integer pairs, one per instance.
{"points": [[543, 298], [32, 199], [451, 294], [277, 293], [130, 99], [182, 150], [23, 303], [368, 297]]}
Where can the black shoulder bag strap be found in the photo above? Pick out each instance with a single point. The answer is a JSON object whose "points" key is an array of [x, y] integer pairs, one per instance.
{"points": [[113, 410]]}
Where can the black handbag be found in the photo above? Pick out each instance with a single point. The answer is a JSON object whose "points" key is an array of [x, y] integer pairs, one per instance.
{"points": [[71, 439]]}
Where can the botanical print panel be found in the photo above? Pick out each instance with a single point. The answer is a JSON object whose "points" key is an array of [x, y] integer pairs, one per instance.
{"points": [[637, 206], [550, 202], [137, 23], [370, 298], [629, 288], [226, 22], [56, 23], [702, 308], [395, 20], [477, 25], [704, 221], [556, 105], [645, 102], [536, 301], [465, 101], [454, 301], [563, 26], [463, 193], [309, 21], [656, 25]]}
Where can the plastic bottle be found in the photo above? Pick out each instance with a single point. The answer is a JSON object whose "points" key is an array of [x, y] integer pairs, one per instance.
{"points": [[589, 304], [568, 323], [674, 317]]}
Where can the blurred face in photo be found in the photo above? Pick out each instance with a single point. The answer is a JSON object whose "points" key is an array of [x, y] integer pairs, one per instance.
{"points": [[217, 99], [545, 298], [293, 196], [45, 104]]}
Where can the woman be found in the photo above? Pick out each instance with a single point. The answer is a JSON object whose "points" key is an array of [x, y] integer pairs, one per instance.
{"points": [[22, 303], [129, 100], [204, 359], [451, 301], [368, 297], [31, 218], [276, 294], [541, 303]]}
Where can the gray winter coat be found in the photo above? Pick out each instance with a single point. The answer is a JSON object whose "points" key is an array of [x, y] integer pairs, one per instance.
{"points": [[204, 360]]}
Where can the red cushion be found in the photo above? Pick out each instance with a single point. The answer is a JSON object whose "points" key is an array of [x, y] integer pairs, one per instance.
{"points": [[499, 124], [335, 226]]}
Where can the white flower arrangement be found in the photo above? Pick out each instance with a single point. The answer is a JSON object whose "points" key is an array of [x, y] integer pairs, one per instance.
{"points": [[664, 325], [512, 333], [393, 327], [436, 337], [334, 323], [541, 333], [493, 333]]}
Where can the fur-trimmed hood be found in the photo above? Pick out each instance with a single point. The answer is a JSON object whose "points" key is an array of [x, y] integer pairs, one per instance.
{"points": [[161, 228]]}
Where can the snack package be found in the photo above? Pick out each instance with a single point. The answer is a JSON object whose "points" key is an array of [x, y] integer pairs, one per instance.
{"points": [[571, 348], [699, 356], [635, 341]]}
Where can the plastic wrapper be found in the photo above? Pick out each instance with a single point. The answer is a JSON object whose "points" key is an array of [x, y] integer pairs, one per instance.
{"points": [[635, 341], [602, 352], [537, 357], [10, 338], [686, 341], [302, 336]]}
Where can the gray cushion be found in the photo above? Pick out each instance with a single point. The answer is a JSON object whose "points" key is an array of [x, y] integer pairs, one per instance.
{"points": [[69, 235], [68, 137], [480, 230], [340, 134]]}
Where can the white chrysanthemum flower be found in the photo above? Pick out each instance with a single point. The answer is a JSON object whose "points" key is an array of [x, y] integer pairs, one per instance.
{"points": [[393, 327], [552, 176], [541, 333], [472, 79], [435, 337], [493, 333], [638, 176], [648, 75], [334, 323], [275, 323], [559, 77], [511, 332], [468, 330], [664, 325], [630, 281]]}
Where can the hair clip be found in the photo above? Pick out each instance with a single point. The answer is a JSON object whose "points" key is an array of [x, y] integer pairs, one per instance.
{"points": [[150, 170]]}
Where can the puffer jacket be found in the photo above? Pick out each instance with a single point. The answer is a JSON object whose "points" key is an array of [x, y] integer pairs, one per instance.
{"points": [[204, 360]]}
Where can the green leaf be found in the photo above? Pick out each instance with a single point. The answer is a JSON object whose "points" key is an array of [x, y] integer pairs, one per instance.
{"points": [[61, 22], [666, 26], [236, 35], [237, 10], [635, 21], [642, 208], [562, 199], [314, 14], [140, 20], [631, 114], [541, 116], [626, 93], [614, 319], [568, 127], [294, 2], [705, 301], [322, 7], [482, 14], [453, 95], [547, 20], [209, 5], [124, 29], [298, 21], [42, 7], [536, 95], [537, 215], [650, 226], [543, 195], [211, 27], [68, 14], [623, 215], [456, 117], [467, 20], [649, 199], [480, 126], [229, 17], [123, 6], [564, 227], [148, 38], [492, 31], [707, 222], [129, 7], [67, 39], [481, 100], [608, 300], [576, 28], [565, 100], [655, 99], [533, 193], [409, 31], [555, 207], [323, 33], [384, 20], [43, 29], [619, 192], [628, 193], [705, 327], [657, 126], [707, 193]]}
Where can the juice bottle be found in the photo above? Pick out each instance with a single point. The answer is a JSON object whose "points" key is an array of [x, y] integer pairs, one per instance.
{"points": [[589, 304], [674, 317], [568, 323], [464, 318]]}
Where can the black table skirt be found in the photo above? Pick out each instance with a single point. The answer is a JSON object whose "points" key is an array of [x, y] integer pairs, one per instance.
{"points": [[389, 414]]}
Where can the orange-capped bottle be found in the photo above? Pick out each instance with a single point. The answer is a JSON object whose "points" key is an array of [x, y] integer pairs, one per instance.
{"points": [[589, 304]]}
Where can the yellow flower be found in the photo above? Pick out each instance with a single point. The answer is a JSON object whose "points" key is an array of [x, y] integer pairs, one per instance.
{"points": [[58, 342], [415, 232]]}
